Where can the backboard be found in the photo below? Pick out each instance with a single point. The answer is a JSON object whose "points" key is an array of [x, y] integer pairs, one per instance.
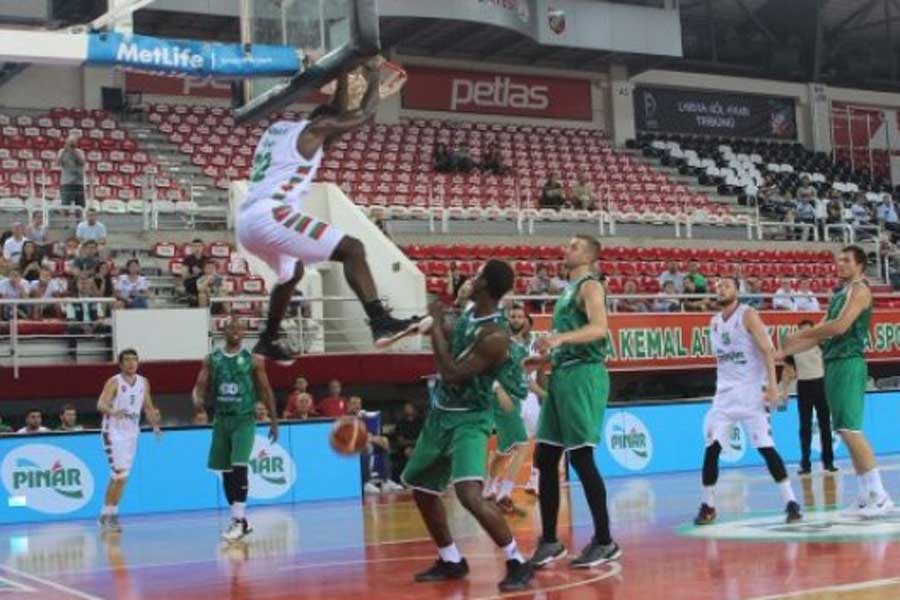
{"points": [[329, 35]]}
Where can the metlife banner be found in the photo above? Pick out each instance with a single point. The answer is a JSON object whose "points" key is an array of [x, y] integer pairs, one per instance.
{"points": [[190, 57], [51, 477]]}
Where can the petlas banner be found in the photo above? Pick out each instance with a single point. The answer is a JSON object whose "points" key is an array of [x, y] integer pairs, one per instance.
{"points": [[190, 57], [497, 94], [681, 340], [714, 113]]}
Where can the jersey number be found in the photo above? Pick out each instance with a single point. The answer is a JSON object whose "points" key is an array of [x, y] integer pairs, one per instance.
{"points": [[229, 389], [261, 163]]}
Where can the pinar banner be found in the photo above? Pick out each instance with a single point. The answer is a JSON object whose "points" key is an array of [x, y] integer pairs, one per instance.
{"points": [[497, 93], [681, 340]]}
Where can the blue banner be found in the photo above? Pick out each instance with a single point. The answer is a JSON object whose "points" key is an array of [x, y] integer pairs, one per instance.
{"points": [[191, 57], [63, 476], [669, 437]]}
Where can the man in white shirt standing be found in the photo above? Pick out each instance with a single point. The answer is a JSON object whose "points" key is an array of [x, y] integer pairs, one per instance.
{"points": [[784, 297], [33, 422], [12, 247], [804, 298], [91, 228]]}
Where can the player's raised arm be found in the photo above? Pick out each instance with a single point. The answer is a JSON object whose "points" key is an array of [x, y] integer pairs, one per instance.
{"points": [[104, 402], [264, 393], [328, 126], [202, 384], [488, 351]]}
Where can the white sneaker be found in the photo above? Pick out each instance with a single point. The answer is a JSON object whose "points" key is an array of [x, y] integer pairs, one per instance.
{"points": [[391, 486], [855, 509], [371, 488], [877, 507], [237, 530]]}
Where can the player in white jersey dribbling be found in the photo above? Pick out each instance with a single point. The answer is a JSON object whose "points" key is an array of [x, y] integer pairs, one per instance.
{"points": [[272, 223], [746, 390], [120, 403]]}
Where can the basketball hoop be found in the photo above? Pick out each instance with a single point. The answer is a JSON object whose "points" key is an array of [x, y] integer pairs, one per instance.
{"points": [[392, 80]]}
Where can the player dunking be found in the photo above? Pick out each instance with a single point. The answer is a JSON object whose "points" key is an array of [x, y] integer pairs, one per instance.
{"points": [[120, 403], [273, 226], [746, 389], [453, 442], [572, 413], [235, 378], [843, 334]]}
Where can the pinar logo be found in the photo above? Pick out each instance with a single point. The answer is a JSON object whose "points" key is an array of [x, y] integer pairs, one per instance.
{"points": [[47, 479], [272, 471], [628, 441]]}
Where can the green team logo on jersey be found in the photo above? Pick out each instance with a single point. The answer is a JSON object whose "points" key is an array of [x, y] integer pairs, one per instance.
{"points": [[726, 338], [261, 164], [47, 479], [272, 471]]}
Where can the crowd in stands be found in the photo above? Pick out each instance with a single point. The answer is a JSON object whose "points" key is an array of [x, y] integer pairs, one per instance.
{"points": [[461, 160], [580, 196], [34, 422]]}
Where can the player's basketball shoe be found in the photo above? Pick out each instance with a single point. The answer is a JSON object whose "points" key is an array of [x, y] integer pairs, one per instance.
{"points": [[385, 327], [596, 554], [876, 507], [274, 350], [443, 570], [793, 512], [110, 524], [855, 509], [518, 576], [238, 529], [706, 515], [546, 553]]}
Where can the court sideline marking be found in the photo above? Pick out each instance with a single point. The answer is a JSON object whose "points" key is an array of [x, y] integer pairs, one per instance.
{"points": [[847, 587], [51, 584]]}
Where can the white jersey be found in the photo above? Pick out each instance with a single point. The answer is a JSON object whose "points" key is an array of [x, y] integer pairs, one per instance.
{"points": [[130, 399], [279, 171], [739, 363]]}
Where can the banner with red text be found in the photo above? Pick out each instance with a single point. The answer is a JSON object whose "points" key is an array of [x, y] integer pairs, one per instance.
{"points": [[681, 340], [482, 92]]}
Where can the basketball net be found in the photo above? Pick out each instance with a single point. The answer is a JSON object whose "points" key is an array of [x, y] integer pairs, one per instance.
{"points": [[392, 80]]}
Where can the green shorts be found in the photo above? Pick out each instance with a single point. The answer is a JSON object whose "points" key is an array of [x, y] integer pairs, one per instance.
{"points": [[232, 441], [572, 413], [452, 447], [510, 428], [845, 391]]}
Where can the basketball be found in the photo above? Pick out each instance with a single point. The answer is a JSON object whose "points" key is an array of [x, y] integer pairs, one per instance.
{"points": [[349, 435]]}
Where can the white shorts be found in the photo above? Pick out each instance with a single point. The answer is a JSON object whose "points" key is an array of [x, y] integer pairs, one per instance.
{"points": [[721, 420], [120, 451], [531, 412], [280, 235]]}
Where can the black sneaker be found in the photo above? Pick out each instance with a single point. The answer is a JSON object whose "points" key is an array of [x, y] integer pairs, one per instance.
{"points": [[546, 553], [831, 469], [706, 515], [273, 350], [596, 554], [443, 570], [518, 576], [793, 512], [803, 471], [386, 327]]}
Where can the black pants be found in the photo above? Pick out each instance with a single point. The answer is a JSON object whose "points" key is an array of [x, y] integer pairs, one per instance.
{"points": [[72, 194], [811, 394]]}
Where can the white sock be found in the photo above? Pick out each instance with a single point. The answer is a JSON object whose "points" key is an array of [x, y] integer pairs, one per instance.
{"points": [[533, 481], [512, 552], [495, 489], [863, 486], [709, 495], [787, 492], [238, 510], [873, 483], [449, 554], [488, 488], [506, 488], [106, 510], [114, 509]]}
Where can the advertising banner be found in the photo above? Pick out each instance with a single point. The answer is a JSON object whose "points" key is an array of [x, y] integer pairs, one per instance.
{"points": [[47, 477], [681, 340], [497, 93], [160, 85], [714, 113]]}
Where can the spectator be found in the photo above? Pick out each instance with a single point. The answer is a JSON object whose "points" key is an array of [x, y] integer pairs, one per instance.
{"points": [[540, 285], [754, 297], [33, 422], [694, 304], [91, 228], [860, 211], [262, 413], [672, 275], [37, 232], [89, 260], [821, 211], [665, 302], [406, 432], [559, 283], [887, 214], [442, 158], [378, 447], [200, 416], [790, 217], [68, 419], [583, 193], [460, 159], [454, 280], [784, 297], [302, 410], [805, 189], [806, 214], [12, 247], [14, 288], [804, 299], [71, 162], [132, 288], [694, 274], [4, 266], [209, 285], [835, 211], [48, 286], [292, 407], [30, 261], [193, 269], [85, 318], [631, 305], [106, 287], [553, 194], [72, 249], [492, 161], [334, 405]]}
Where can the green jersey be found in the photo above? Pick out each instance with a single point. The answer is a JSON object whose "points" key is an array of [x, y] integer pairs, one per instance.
{"points": [[512, 376], [477, 393], [854, 341], [232, 383], [569, 316]]}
